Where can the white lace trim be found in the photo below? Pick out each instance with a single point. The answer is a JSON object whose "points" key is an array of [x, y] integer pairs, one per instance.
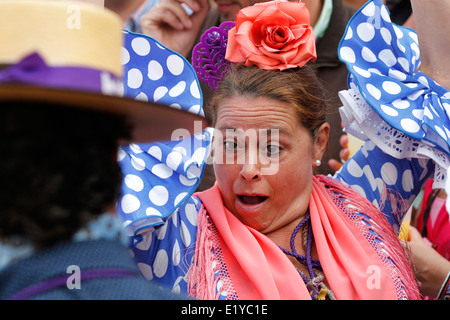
{"points": [[361, 121]]}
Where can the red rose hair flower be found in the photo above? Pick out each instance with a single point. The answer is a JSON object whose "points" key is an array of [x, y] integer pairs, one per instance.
{"points": [[272, 35]]}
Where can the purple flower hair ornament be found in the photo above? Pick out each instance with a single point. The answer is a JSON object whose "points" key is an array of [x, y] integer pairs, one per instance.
{"points": [[208, 56]]}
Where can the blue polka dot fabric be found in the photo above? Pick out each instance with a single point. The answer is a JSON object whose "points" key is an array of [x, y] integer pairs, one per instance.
{"points": [[153, 72], [383, 60], [159, 177], [391, 184], [164, 256]]}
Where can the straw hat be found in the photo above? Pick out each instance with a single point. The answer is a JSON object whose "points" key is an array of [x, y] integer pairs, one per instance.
{"points": [[69, 53]]}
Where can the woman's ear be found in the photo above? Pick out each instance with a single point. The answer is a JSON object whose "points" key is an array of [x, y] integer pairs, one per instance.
{"points": [[321, 141]]}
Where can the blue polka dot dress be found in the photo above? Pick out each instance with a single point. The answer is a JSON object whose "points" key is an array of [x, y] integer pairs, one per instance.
{"points": [[402, 110]]}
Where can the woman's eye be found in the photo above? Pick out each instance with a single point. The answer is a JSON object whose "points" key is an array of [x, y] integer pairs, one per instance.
{"points": [[273, 150], [230, 145]]}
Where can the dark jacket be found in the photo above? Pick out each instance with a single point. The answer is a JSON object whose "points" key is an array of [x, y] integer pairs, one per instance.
{"points": [[48, 266]]}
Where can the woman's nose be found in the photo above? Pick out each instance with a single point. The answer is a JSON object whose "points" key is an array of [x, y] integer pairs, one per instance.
{"points": [[251, 168]]}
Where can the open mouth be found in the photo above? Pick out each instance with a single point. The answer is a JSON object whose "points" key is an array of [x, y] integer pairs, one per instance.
{"points": [[252, 200]]}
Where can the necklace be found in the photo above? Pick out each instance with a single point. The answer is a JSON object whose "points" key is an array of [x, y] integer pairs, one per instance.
{"points": [[314, 283]]}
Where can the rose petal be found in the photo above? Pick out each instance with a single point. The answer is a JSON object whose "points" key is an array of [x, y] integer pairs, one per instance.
{"points": [[295, 57], [296, 11], [243, 37], [233, 52], [282, 56], [273, 16], [300, 29], [248, 14], [277, 37], [262, 61], [301, 38], [263, 24], [306, 53]]}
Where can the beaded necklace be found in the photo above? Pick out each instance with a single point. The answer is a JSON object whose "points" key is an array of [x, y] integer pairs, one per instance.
{"points": [[314, 282]]}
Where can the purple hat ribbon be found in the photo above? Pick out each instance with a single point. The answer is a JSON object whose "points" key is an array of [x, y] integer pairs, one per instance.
{"points": [[33, 70]]}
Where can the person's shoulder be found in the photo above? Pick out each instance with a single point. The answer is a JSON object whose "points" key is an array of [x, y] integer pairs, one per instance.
{"points": [[343, 10]]}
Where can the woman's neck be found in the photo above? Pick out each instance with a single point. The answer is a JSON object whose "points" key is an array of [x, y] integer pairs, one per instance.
{"points": [[315, 9], [282, 236]]}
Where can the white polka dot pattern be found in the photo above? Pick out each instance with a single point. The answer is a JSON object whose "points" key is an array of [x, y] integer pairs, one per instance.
{"points": [[164, 256], [384, 180], [156, 71], [382, 59], [158, 177], [157, 181]]}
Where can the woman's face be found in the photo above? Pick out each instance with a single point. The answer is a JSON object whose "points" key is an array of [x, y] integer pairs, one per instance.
{"points": [[264, 160]]}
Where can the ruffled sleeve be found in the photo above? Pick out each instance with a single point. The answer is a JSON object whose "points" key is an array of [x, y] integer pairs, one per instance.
{"points": [[402, 110], [159, 177]]}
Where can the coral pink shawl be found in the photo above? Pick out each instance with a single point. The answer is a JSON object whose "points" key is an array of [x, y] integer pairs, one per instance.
{"points": [[259, 270]]}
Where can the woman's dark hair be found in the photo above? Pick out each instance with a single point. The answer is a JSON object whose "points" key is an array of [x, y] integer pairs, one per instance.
{"points": [[298, 87], [58, 169]]}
